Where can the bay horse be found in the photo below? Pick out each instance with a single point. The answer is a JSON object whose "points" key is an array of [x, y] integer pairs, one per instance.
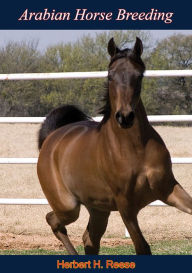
{"points": [[120, 163]]}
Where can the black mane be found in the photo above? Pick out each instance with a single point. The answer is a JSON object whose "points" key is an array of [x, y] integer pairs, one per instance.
{"points": [[105, 110]]}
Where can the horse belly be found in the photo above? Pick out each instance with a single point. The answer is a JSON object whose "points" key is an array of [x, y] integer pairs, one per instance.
{"points": [[104, 202], [93, 193], [89, 190]]}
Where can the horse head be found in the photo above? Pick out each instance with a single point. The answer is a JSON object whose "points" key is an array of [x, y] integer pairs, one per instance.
{"points": [[125, 75]]}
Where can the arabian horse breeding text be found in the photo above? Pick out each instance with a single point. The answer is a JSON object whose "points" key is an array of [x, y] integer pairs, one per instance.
{"points": [[120, 163]]}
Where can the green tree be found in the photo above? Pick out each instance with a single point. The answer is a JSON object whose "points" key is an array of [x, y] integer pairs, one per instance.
{"points": [[172, 95], [19, 97]]}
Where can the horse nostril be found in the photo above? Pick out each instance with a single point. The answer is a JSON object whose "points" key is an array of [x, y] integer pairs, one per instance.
{"points": [[119, 117], [125, 121], [130, 117]]}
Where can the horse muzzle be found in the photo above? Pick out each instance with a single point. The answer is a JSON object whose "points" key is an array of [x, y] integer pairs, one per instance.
{"points": [[125, 121]]}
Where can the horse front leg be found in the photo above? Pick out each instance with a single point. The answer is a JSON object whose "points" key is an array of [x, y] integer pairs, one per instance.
{"points": [[173, 194], [58, 222], [129, 215]]}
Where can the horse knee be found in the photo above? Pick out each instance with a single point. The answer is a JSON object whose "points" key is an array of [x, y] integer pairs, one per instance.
{"points": [[58, 220], [54, 223], [68, 216], [51, 219]]}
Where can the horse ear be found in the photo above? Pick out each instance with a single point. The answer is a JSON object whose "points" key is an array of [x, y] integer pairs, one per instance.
{"points": [[112, 48], [138, 47]]}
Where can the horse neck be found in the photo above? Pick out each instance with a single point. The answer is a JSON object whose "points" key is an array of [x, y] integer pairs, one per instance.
{"points": [[141, 116], [137, 135]]}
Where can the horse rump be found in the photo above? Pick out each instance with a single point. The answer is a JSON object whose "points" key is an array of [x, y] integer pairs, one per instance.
{"points": [[59, 117]]}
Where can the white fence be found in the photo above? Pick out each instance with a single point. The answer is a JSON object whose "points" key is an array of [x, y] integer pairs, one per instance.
{"points": [[83, 75]]}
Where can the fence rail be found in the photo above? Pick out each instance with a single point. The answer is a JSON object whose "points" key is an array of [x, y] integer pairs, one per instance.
{"points": [[156, 118], [86, 75], [33, 160], [29, 201]]}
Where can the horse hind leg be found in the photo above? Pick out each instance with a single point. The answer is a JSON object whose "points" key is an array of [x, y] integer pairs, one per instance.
{"points": [[95, 229], [58, 221]]}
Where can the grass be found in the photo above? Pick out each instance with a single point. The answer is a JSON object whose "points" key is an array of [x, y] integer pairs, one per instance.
{"points": [[176, 247]]}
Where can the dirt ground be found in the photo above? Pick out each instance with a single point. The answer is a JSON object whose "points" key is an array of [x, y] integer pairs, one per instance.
{"points": [[23, 227], [49, 242]]}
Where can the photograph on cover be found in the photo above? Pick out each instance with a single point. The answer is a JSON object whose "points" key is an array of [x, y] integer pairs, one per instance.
{"points": [[110, 97]]}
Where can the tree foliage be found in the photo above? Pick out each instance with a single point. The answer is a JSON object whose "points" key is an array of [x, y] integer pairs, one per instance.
{"points": [[37, 98], [172, 95]]}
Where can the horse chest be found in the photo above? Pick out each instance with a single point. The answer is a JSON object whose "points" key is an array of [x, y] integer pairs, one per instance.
{"points": [[126, 166]]}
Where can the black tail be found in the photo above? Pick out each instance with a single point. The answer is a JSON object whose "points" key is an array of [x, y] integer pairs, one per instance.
{"points": [[59, 117]]}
